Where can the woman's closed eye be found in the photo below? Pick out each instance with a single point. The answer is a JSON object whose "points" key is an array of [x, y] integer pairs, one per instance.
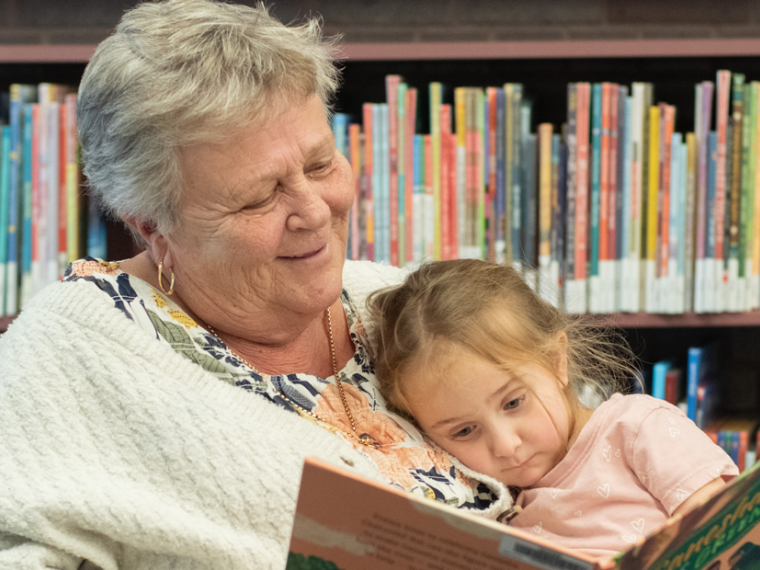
{"points": [[320, 170]]}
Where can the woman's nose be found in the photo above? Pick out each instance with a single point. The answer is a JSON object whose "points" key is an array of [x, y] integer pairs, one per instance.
{"points": [[309, 210]]}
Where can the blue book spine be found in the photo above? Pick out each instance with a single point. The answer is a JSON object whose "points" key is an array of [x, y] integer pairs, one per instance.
{"points": [[12, 282], [340, 132], [418, 213], [659, 371], [596, 161], [5, 156], [694, 361], [26, 245], [712, 152]]}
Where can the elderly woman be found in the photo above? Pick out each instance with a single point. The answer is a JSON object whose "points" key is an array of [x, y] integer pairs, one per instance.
{"points": [[155, 412]]}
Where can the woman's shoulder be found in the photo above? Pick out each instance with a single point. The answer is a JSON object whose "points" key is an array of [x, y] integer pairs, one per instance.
{"points": [[368, 275]]}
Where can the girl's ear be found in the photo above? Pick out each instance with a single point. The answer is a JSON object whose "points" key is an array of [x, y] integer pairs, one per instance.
{"points": [[561, 356]]}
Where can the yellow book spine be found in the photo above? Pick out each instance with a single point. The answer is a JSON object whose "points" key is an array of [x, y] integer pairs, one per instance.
{"points": [[654, 181]]}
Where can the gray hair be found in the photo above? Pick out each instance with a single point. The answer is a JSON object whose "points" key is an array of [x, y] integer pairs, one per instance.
{"points": [[183, 72]]}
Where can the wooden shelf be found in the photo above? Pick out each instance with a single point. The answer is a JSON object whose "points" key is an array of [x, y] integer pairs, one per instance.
{"points": [[551, 49], [685, 320], [411, 51]]}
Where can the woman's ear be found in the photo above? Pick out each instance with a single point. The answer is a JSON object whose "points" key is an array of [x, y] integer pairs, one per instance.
{"points": [[561, 358], [156, 243]]}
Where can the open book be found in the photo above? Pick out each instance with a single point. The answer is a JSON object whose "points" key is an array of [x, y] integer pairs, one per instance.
{"points": [[347, 522]]}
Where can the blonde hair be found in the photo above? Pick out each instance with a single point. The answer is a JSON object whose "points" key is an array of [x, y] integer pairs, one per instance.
{"points": [[488, 310]]}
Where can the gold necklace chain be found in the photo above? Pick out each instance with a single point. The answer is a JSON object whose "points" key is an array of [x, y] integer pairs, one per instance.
{"points": [[364, 439]]}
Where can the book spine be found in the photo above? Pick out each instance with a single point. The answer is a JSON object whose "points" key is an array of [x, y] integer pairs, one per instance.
{"points": [[460, 114], [753, 223], [544, 206], [369, 178], [5, 157], [710, 272], [596, 171], [608, 268], [690, 220], [418, 206], [445, 176], [436, 100], [578, 296], [429, 204], [502, 164], [73, 250], [722, 101], [736, 253], [652, 208], [622, 191], [401, 137], [515, 200], [572, 157], [530, 169], [391, 94], [491, 113], [411, 126], [27, 217], [354, 158], [694, 360]]}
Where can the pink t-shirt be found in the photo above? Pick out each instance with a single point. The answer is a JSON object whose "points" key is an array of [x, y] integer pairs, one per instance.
{"points": [[633, 463]]}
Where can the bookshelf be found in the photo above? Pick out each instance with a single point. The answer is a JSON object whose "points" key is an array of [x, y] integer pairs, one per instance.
{"points": [[545, 67]]}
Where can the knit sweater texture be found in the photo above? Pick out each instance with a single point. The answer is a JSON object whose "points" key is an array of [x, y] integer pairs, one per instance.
{"points": [[118, 453]]}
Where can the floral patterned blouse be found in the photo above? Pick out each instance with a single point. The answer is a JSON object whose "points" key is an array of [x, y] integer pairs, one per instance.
{"points": [[400, 452]]}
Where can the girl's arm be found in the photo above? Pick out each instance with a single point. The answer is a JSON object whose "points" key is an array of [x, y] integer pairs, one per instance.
{"points": [[700, 496]]}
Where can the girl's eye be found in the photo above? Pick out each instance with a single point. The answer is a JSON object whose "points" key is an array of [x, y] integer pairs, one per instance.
{"points": [[464, 432], [512, 404]]}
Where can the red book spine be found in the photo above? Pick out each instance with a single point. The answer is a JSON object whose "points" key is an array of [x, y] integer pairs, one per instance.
{"points": [[581, 173]]}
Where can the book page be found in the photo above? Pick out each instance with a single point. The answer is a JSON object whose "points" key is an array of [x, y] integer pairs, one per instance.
{"points": [[346, 522]]}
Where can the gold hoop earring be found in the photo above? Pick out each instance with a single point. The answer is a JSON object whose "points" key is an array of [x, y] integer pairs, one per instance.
{"points": [[171, 285]]}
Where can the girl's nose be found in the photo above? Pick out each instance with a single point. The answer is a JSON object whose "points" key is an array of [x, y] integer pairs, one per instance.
{"points": [[504, 443]]}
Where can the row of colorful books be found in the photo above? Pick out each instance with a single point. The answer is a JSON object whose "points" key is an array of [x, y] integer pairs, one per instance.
{"points": [[44, 219], [613, 211], [697, 392]]}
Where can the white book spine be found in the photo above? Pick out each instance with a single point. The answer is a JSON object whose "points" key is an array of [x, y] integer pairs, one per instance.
{"points": [[575, 296], [652, 298], [595, 300]]}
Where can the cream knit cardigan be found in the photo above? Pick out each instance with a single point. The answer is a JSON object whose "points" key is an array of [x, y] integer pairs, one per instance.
{"points": [[116, 450]]}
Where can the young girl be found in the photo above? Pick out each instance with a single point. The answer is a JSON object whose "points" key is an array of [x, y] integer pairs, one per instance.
{"points": [[500, 379]]}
